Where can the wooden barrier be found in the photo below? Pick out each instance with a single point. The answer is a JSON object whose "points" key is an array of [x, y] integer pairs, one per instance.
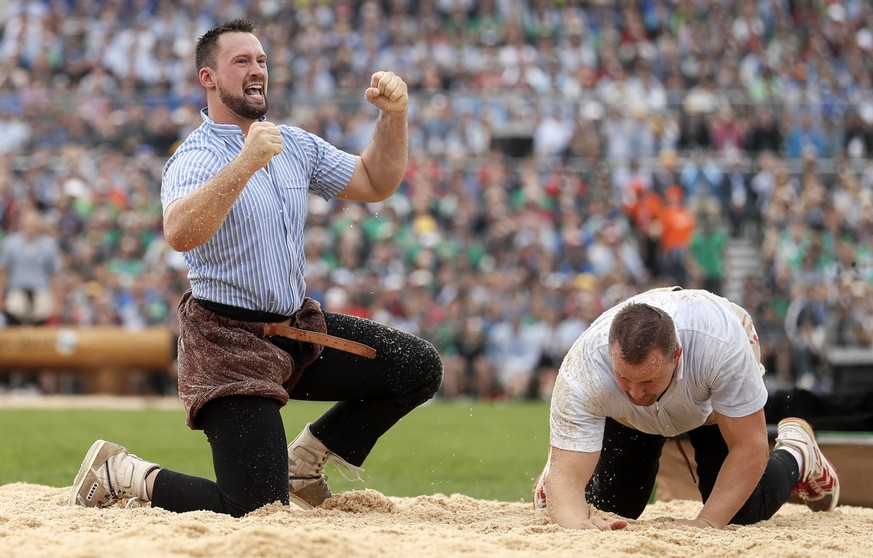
{"points": [[107, 354]]}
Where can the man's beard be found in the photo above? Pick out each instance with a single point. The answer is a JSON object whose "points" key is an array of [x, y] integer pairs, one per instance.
{"points": [[241, 106]]}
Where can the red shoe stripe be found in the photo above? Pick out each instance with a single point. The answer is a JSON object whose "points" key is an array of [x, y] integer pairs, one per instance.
{"points": [[829, 485]]}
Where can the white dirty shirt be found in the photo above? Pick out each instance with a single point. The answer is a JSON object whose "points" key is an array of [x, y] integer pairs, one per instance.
{"points": [[256, 259], [718, 371]]}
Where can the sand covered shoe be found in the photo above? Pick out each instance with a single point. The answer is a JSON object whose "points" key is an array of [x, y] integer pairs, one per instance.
{"points": [[307, 458], [818, 485], [109, 473]]}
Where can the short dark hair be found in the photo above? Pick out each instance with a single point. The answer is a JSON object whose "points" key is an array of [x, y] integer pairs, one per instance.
{"points": [[204, 53], [638, 328]]}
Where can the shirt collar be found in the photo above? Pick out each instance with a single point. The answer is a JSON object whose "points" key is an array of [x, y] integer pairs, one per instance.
{"points": [[222, 129]]}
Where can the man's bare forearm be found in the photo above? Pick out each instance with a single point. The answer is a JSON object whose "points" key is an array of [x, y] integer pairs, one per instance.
{"points": [[385, 158], [739, 474], [194, 218]]}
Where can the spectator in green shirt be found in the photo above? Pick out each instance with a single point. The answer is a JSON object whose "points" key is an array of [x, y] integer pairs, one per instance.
{"points": [[708, 246]]}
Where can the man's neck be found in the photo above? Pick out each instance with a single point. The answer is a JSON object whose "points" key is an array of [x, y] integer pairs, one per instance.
{"points": [[221, 115]]}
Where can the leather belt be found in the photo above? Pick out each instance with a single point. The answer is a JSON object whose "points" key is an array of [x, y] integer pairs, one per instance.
{"points": [[284, 330]]}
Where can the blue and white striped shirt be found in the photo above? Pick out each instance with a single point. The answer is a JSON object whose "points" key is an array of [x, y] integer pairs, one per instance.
{"points": [[256, 258]]}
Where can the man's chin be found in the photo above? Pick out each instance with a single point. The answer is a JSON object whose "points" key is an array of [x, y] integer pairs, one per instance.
{"points": [[257, 112], [258, 108]]}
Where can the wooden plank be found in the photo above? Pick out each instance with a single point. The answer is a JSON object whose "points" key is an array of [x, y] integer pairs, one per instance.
{"points": [[85, 349]]}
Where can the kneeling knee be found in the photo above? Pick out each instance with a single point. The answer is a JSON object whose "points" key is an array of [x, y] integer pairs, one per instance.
{"points": [[428, 368]]}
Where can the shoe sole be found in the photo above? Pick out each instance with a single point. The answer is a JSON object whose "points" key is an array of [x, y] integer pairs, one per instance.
{"points": [[835, 498], [85, 471], [300, 502]]}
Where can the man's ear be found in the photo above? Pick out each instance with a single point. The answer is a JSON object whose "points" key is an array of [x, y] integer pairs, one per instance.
{"points": [[206, 78]]}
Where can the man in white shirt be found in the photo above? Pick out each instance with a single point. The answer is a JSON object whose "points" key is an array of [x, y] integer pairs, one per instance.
{"points": [[666, 362]]}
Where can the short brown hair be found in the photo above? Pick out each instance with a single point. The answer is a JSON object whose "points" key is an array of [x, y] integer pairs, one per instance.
{"points": [[204, 53], [638, 328]]}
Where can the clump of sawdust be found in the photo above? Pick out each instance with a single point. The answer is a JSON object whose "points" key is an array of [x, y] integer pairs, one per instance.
{"points": [[360, 501]]}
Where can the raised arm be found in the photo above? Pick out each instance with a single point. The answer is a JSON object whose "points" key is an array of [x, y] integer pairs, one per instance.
{"points": [[382, 165]]}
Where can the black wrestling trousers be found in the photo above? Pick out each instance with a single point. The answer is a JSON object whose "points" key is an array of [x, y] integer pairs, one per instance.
{"points": [[625, 475], [247, 435]]}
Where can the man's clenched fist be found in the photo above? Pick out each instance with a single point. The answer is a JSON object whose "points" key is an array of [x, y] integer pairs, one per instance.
{"points": [[387, 92]]}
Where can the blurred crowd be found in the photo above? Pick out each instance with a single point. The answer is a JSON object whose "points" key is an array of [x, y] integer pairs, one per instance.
{"points": [[564, 155]]}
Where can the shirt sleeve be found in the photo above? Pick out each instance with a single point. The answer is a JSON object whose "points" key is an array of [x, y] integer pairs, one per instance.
{"points": [[331, 168], [574, 423], [738, 389], [186, 171]]}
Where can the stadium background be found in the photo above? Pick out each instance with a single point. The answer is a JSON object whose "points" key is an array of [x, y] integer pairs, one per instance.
{"points": [[563, 155]]}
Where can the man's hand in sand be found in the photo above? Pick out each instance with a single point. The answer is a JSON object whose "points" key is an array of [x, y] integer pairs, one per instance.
{"points": [[602, 524], [695, 523]]}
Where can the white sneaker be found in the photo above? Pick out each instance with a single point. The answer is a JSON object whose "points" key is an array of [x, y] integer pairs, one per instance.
{"points": [[818, 485], [109, 473], [307, 457]]}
